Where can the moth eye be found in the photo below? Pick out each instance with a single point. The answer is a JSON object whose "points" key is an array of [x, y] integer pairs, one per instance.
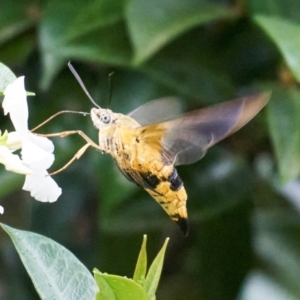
{"points": [[105, 118]]}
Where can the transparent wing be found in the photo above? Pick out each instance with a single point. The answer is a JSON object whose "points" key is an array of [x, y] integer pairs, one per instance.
{"points": [[156, 111], [186, 139]]}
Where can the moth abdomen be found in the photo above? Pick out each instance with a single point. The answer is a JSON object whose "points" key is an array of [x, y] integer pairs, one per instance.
{"points": [[150, 179]]}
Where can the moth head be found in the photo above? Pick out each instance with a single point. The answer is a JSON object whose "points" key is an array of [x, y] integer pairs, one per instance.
{"points": [[102, 117]]}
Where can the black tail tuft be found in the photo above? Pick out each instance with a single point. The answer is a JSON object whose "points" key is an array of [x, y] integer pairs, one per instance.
{"points": [[184, 225]]}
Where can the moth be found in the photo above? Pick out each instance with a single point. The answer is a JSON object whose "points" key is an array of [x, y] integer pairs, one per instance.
{"points": [[147, 150]]}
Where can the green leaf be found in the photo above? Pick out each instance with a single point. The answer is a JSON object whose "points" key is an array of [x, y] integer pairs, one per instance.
{"points": [[154, 272], [287, 9], [56, 273], [199, 72], [113, 287], [141, 265], [153, 24], [93, 32], [16, 18], [17, 38], [286, 35], [284, 120], [6, 77], [105, 292]]}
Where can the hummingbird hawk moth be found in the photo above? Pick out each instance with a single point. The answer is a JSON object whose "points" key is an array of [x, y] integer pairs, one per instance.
{"points": [[147, 151]]}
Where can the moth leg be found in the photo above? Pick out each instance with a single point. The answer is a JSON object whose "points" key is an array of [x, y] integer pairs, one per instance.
{"points": [[70, 132], [77, 155]]}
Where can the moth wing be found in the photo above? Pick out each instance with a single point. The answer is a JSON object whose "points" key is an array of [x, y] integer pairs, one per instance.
{"points": [[186, 139], [158, 110]]}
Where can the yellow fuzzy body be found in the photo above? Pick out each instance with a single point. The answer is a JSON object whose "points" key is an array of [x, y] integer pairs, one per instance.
{"points": [[143, 163]]}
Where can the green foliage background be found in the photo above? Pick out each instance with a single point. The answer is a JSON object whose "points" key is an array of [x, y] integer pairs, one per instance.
{"points": [[244, 196]]}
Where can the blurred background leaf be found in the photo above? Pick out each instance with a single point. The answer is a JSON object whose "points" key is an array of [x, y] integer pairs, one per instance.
{"points": [[284, 120], [243, 196], [286, 36], [156, 23]]}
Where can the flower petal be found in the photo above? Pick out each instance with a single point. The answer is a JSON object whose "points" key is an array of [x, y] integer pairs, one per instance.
{"points": [[12, 162], [42, 187], [3, 137], [15, 103], [35, 157], [42, 142], [13, 141], [1, 210]]}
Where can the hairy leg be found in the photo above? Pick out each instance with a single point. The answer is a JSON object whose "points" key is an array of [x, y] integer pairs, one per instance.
{"points": [[79, 153], [71, 132]]}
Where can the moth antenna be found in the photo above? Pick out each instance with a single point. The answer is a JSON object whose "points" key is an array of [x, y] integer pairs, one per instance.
{"points": [[82, 84], [59, 113], [110, 86]]}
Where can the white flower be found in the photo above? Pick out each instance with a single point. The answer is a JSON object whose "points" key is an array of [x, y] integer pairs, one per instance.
{"points": [[36, 151], [12, 162], [1, 210]]}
